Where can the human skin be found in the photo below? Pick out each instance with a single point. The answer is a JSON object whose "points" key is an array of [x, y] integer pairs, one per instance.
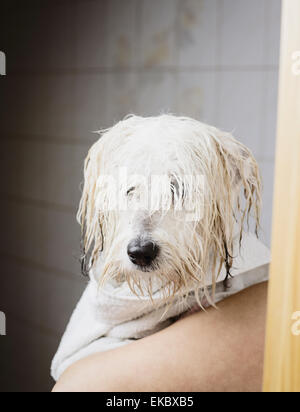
{"points": [[220, 350]]}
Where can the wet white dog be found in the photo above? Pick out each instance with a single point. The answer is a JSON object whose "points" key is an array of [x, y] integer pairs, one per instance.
{"points": [[163, 210], [162, 197]]}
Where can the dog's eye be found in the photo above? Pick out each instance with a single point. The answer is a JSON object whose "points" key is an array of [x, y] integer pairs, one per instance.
{"points": [[175, 189], [130, 191]]}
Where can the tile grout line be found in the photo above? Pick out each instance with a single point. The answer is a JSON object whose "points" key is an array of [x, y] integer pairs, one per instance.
{"points": [[143, 69], [47, 270], [42, 204], [11, 135], [265, 83], [69, 209], [32, 325], [218, 82]]}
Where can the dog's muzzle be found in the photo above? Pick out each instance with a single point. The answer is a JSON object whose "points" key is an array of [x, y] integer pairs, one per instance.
{"points": [[142, 252]]}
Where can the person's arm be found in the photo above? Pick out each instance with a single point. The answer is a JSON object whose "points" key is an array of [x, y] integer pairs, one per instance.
{"points": [[218, 350]]}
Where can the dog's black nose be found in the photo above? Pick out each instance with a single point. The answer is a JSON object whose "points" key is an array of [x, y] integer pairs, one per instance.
{"points": [[142, 252]]}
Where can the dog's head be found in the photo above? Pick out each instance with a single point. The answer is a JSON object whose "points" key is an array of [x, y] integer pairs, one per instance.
{"points": [[162, 198]]}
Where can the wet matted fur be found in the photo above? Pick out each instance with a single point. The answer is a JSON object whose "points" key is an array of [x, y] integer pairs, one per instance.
{"points": [[139, 182]]}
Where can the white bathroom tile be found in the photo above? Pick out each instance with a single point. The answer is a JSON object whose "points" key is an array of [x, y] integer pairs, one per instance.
{"points": [[22, 227], [81, 152], [121, 36], [270, 115], [9, 20], [197, 96], [31, 363], [29, 225], [16, 106], [242, 28], [61, 107], [58, 298], [90, 105], [156, 93], [157, 40], [57, 174], [57, 34], [42, 298], [10, 106], [46, 236], [8, 227], [45, 37], [53, 106], [121, 97], [197, 33], [10, 165], [240, 100], [6, 167], [91, 34], [35, 120], [267, 172], [30, 170], [273, 28], [22, 40], [60, 240]]}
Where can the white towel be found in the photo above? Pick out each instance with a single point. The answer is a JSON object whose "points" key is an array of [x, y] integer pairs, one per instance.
{"points": [[113, 316]]}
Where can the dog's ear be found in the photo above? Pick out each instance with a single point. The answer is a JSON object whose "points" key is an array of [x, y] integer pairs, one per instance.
{"points": [[237, 192], [242, 172], [239, 162], [88, 215]]}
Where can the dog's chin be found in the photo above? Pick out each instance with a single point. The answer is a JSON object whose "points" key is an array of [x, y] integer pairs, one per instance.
{"points": [[151, 268], [145, 269]]}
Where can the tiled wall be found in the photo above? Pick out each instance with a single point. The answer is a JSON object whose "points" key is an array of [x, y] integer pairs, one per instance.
{"points": [[77, 66]]}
